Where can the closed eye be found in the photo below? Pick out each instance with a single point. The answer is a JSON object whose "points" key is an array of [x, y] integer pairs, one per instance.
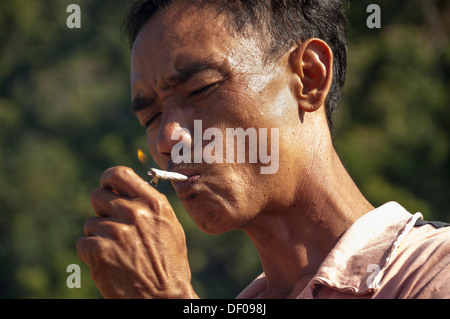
{"points": [[202, 90], [149, 122]]}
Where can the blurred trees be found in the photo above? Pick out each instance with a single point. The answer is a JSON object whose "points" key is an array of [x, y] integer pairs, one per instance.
{"points": [[393, 123], [64, 118]]}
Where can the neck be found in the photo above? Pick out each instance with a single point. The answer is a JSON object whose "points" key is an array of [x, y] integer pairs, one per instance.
{"points": [[294, 238]]}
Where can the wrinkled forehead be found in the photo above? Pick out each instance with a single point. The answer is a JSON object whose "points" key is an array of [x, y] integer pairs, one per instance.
{"points": [[180, 33], [178, 26]]}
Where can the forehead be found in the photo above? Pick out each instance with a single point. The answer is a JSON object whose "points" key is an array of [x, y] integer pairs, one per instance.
{"points": [[175, 32], [180, 34], [179, 22]]}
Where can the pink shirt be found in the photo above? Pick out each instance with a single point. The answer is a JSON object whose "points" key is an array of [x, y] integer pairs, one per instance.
{"points": [[382, 255]]}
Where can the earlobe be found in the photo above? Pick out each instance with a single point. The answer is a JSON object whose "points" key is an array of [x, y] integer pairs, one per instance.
{"points": [[312, 63]]}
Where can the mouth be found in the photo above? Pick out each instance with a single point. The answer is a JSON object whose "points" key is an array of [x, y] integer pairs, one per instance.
{"points": [[186, 188], [191, 181], [192, 177]]}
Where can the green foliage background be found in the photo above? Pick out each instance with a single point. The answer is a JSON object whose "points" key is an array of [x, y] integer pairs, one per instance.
{"points": [[64, 119]]}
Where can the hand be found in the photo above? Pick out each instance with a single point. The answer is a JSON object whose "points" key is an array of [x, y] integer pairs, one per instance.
{"points": [[135, 246]]}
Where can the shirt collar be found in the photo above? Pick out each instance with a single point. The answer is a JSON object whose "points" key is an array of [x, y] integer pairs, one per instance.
{"points": [[358, 261]]}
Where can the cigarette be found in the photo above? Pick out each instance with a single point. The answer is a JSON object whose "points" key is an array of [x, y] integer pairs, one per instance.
{"points": [[160, 174]]}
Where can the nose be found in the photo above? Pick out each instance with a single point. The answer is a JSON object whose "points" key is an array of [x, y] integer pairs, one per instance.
{"points": [[171, 133]]}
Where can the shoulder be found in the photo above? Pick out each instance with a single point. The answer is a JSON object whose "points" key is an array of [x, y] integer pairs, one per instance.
{"points": [[421, 268], [254, 289]]}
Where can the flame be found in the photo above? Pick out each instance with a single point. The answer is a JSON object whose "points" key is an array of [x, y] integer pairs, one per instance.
{"points": [[142, 157]]}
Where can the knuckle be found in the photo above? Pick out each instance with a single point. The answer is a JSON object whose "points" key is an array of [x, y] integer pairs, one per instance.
{"points": [[119, 231], [161, 205], [163, 198], [87, 247], [121, 172], [127, 211], [137, 215], [95, 194], [132, 212], [93, 250], [80, 245], [142, 213], [89, 225], [118, 174]]}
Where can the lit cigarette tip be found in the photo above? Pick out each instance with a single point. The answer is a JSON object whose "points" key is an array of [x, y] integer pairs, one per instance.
{"points": [[157, 173]]}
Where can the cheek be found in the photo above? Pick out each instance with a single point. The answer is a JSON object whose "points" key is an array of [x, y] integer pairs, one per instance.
{"points": [[152, 148], [228, 202]]}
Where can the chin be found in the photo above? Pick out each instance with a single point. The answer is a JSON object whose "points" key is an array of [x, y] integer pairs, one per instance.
{"points": [[211, 217], [219, 204]]}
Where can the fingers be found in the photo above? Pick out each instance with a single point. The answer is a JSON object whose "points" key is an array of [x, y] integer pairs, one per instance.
{"points": [[121, 192], [103, 227], [135, 239], [100, 234], [126, 182], [106, 203]]}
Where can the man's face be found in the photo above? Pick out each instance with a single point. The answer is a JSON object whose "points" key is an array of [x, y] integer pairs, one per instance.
{"points": [[186, 66]]}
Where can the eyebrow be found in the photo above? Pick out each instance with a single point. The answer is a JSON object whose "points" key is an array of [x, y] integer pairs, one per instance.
{"points": [[187, 71], [140, 102], [184, 73]]}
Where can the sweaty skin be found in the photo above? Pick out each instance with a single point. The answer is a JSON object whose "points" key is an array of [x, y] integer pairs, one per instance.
{"points": [[187, 65]]}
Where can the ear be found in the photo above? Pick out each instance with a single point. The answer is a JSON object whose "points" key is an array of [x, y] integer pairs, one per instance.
{"points": [[312, 63]]}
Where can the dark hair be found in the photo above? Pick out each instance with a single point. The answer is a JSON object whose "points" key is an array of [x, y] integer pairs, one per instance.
{"points": [[285, 21]]}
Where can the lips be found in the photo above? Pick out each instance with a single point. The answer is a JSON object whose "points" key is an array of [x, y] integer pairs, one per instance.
{"points": [[194, 173], [193, 179], [187, 189]]}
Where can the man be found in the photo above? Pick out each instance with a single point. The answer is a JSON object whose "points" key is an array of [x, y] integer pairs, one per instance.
{"points": [[263, 65]]}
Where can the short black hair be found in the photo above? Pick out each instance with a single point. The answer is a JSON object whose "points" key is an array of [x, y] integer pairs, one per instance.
{"points": [[281, 23]]}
